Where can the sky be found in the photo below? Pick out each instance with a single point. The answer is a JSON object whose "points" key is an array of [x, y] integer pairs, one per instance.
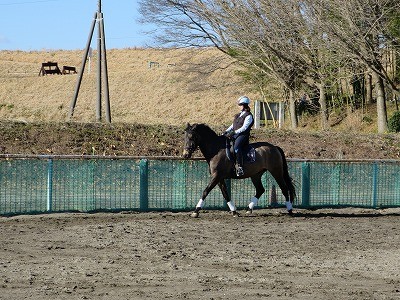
{"points": [[31, 25]]}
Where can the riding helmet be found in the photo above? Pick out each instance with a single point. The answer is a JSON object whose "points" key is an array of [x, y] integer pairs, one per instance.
{"points": [[243, 100]]}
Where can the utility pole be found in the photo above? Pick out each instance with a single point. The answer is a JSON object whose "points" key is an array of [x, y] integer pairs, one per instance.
{"points": [[102, 73]]}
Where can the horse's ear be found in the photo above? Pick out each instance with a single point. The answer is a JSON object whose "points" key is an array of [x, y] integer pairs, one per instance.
{"points": [[188, 126]]}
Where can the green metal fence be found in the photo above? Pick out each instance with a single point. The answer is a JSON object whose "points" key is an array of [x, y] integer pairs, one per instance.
{"points": [[40, 184]]}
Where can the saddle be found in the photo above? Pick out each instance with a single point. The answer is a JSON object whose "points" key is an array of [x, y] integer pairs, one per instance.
{"points": [[249, 153]]}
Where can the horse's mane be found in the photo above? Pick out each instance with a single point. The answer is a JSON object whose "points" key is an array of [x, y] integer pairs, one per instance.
{"points": [[203, 129]]}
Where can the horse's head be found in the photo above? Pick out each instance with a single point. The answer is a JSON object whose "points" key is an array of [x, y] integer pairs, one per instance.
{"points": [[190, 141]]}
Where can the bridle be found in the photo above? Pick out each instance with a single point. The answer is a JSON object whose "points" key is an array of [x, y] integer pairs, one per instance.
{"points": [[192, 147]]}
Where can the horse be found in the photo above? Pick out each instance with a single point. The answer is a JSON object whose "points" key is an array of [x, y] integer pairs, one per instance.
{"points": [[267, 158]]}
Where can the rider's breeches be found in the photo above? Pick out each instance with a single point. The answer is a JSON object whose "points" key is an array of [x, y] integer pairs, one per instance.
{"points": [[240, 142]]}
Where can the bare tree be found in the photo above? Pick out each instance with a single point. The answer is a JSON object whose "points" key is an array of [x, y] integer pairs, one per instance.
{"points": [[360, 28], [258, 34], [288, 41], [182, 23], [321, 56], [264, 38]]}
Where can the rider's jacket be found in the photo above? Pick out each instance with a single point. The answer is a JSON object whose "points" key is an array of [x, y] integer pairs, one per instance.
{"points": [[238, 123]]}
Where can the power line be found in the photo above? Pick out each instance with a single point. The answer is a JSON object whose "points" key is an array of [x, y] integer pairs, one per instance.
{"points": [[28, 2]]}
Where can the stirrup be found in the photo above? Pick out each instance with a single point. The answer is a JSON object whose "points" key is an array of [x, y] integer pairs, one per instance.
{"points": [[239, 171]]}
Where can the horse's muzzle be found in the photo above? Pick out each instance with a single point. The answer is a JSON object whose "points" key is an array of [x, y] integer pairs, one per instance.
{"points": [[186, 154]]}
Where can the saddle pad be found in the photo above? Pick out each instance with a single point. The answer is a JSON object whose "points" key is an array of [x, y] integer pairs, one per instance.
{"points": [[249, 154]]}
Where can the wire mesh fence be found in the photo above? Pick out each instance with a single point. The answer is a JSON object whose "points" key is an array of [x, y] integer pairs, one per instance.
{"points": [[40, 184]]}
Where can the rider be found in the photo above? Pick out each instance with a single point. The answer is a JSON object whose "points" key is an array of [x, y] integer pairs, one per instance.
{"points": [[240, 131]]}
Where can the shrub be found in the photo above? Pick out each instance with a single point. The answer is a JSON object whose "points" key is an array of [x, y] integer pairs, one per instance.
{"points": [[367, 119], [394, 122]]}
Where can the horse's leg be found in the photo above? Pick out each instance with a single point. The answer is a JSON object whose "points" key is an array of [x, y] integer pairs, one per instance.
{"points": [[225, 194], [256, 179], [214, 181], [285, 191], [288, 183], [280, 180]]}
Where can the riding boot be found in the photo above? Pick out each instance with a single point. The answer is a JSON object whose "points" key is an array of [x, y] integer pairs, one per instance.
{"points": [[239, 163]]}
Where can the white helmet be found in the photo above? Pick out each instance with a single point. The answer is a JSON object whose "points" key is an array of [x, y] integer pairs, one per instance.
{"points": [[243, 100]]}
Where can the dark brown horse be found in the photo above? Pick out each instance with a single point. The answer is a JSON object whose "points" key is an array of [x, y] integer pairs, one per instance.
{"points": [[268, 158]]}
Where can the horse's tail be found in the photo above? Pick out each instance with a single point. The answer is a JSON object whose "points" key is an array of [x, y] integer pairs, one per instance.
{"points": [[286, 176]]}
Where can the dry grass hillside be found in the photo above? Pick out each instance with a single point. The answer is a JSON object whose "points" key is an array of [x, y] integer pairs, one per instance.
{"points": [[150, 107], [186, 86]]}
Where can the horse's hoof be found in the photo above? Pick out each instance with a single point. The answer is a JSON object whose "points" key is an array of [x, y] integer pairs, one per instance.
{"points": [[235, 214], [249, 211], [290, 211], [194, 214]]}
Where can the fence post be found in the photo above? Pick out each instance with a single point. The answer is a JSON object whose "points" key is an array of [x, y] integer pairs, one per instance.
{"points": [[50, 185], [273, 201], [335, 181], [179, 185], [144, 185], [305, 184], [375, 185]]}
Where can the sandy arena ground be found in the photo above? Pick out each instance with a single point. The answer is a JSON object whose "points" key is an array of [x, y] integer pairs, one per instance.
{"points": [[322, 254]]}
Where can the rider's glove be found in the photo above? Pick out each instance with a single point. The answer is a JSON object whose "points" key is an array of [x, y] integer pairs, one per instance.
{"points": [[229, 133]]}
